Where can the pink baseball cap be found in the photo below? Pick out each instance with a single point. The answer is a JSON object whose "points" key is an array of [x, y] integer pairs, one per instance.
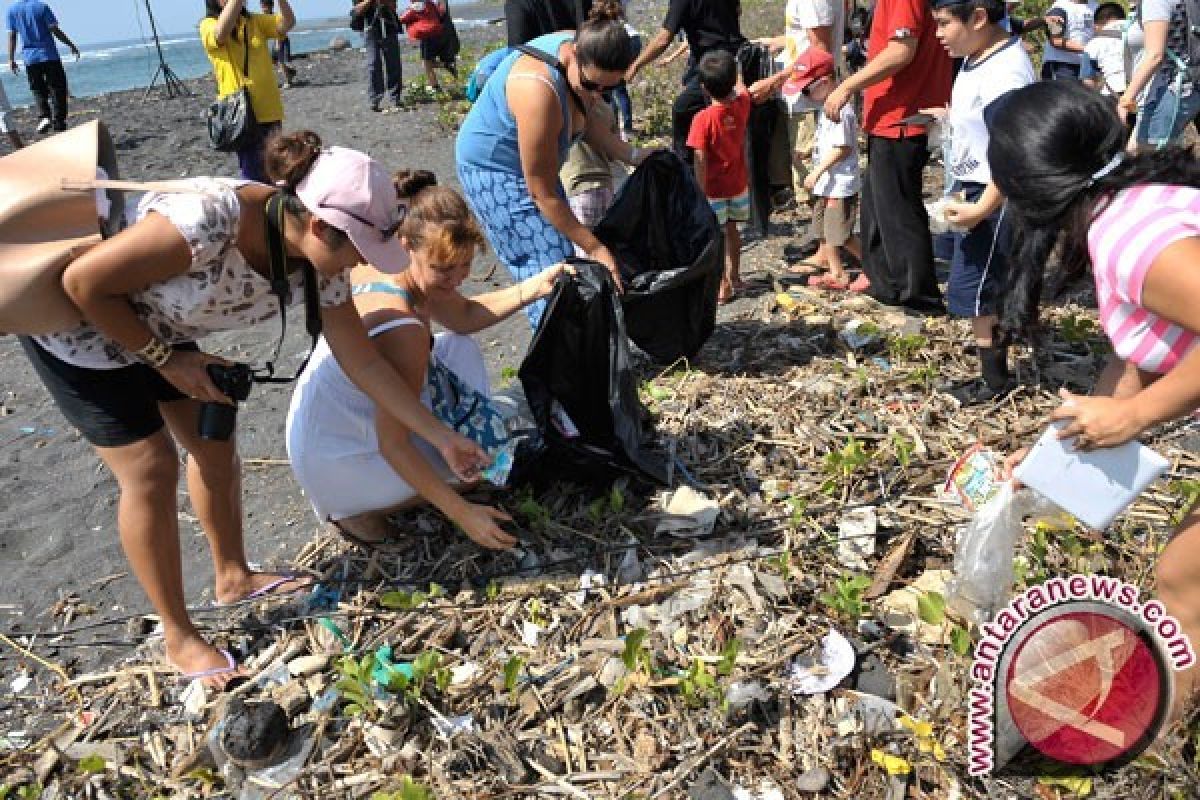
{"points": [[354, 193], [813, 64]]}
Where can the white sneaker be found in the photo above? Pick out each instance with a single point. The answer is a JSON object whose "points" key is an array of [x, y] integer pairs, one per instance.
{"points": [[43, 126]]}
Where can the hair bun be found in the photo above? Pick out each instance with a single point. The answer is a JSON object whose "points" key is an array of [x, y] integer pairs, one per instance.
{"points": [[289, 157], [607, 11], [410, 182]]}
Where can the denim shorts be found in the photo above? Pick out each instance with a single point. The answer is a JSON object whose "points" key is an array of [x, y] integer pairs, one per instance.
{"points": [[1165, 114], [979, 265]]}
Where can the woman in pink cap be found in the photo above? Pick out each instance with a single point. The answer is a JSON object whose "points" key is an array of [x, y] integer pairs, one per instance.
{"points": [[132, 380]]}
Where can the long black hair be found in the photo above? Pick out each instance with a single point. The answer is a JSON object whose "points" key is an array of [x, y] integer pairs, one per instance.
{"points": [[1054, 153]]}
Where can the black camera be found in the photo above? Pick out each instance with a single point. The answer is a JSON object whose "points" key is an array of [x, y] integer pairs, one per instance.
{"points": [[217, 420]]}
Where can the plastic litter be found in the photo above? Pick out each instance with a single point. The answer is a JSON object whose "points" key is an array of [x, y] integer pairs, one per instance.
{"points": [[901, 608], [974, 479], [813, 675], [741, 694], [688, 513], [858, 334], [856, 537]]}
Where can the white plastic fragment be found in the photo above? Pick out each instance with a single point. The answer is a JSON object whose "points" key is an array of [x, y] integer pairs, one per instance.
{"points": [[451, 726], [812, 676], [856, 537], [688, 513], [742, 693]]}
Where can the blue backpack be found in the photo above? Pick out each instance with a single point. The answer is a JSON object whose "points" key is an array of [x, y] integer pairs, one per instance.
{"points": [[491, 62]]}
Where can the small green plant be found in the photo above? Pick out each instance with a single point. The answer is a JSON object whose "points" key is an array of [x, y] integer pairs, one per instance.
{"points": [[92, 765], [512, 673], [906, 346], [1037, 569], [903, 448], [729, 654], [508, 374], [355, 686], [492, 591], [1187, 492], [636, 656], [536, 514], [1077, 329], [840, 466], [399, 600], [603, 507], [428, 666], [782, 563], [408, 790], [798, 506], [924, 377], [699, 687], [960, 640], [28, 791], [846, 599], [931, 608]]}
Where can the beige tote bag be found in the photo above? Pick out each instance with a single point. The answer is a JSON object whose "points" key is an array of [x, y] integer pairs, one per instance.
{"points": [[47, 219]]}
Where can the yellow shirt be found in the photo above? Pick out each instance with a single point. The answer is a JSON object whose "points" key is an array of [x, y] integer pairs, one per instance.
{"points": [[227, 63]]}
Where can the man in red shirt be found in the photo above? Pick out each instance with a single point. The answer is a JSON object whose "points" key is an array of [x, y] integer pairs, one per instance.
{"points": [[718, 139], [908, 70]]}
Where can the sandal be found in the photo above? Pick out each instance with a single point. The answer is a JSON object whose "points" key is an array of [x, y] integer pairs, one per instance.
{"points": [[806, 268], [231, 667], [860, 284], [828, 282], [268, 591]]}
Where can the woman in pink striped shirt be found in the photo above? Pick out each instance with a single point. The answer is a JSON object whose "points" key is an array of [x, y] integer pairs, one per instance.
{"points": [[1057, 154]]}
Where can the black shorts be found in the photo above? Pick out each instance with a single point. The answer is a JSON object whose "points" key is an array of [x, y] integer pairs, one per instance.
{"points": [[110, 407], [432, 48]]}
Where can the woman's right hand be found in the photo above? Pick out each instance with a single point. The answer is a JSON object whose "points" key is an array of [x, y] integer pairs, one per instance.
{"points": [[187, 371], [465, 458], [1011, 463], [479, 523], [1126, 110], [605, 257]]}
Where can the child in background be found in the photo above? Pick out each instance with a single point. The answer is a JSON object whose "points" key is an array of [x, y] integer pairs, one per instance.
{"points": [[1069, 25], [994, 63], [834, 178], [718, 139], [587, 178], [281, 50], [1103, 63], [423, 24]]}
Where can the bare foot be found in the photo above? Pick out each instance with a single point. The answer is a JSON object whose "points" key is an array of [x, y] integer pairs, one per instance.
{"points": [[243, 586], [809, 266], [725, 294], [193, 656]]}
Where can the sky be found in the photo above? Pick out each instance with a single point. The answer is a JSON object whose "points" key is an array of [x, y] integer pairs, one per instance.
{"points": [[92, 21]]}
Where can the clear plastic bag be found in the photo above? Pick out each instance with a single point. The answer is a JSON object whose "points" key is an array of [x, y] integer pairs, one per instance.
{"points": [[983, 562]]}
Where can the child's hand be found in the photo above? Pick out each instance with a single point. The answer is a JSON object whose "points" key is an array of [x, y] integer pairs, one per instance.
{"points": [[964, 215], [810, 180], [938, 112]]}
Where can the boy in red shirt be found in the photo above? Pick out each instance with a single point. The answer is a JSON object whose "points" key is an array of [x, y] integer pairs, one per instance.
{"points": [[718, 139]]}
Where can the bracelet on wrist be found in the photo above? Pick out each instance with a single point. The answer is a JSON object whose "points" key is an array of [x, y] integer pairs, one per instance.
{"points": [[154, 353]]}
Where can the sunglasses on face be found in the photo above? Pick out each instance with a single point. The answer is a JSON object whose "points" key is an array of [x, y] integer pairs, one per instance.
{"points": [[384, 233], [589, 85]]}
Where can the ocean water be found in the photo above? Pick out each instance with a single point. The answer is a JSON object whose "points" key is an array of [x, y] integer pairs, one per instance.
{"points": [[132, 63]]}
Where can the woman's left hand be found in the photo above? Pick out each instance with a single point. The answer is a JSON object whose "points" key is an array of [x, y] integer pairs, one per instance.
{"points": [[964, 215], [1097, 422], [462, 455]]}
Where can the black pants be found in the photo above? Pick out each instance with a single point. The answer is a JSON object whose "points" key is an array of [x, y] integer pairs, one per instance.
{"points": [[48, 82], [690, 102], [897, 248], [383, 69]]}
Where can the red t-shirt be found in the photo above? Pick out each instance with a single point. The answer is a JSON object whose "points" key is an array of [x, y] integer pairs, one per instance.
{"points": [[923, 83], [719, 131]]}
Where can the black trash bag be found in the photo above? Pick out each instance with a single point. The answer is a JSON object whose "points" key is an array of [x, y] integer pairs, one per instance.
{"points": [[671, 250], [755, 61], [581, 390]]}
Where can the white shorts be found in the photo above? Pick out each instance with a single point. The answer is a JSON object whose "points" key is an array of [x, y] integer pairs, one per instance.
{"points": [[342, 484]]}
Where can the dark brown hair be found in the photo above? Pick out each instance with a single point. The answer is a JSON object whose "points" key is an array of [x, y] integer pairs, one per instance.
{"points": [[602, 41], [437, 217], [287, 159]]}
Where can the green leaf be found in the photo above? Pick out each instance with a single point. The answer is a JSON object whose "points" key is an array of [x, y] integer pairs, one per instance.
{"points": [[631, 656], [729, 656], [512, 672], [616, 500], [507, 374], [931, 608], [397, 601], [492, 592], [92, 765], [960, 640]]}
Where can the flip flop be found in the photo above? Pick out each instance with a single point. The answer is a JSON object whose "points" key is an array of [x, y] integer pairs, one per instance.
{"points": [[268, 590], [828, 282], [231, 666], [806, 268], [860, 284]]}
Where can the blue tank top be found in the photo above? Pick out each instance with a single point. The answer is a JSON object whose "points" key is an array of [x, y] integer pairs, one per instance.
{"points": [[488, 136]]}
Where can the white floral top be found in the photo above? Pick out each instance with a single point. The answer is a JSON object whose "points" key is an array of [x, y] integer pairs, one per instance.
{"points": [[219, 292]]}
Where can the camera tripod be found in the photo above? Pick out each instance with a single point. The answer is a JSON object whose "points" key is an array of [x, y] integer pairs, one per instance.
{"points": [[170, 80]]}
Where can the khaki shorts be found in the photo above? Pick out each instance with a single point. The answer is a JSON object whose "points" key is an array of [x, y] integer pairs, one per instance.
{"points": [[833, 219]]}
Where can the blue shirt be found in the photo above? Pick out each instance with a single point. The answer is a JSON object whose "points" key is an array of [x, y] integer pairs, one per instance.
{"points": [[488, 136], [32, 21]]}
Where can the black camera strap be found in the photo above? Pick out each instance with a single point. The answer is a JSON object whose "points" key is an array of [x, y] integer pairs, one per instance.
{"points": [[282, 289]]}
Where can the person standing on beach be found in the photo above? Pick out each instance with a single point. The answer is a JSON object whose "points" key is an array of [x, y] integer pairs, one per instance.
{"points": [[6, 122], [36, 25], [380, 26], [227, 33], [708, 25]]}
